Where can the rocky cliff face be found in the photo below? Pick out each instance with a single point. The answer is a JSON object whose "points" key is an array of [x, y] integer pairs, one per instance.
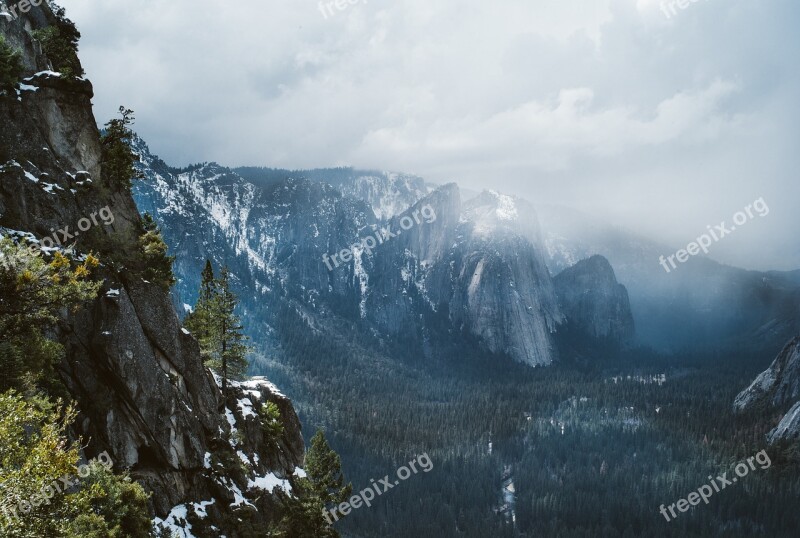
{"points": [[776, 387], [593, 300], [142, 390]]}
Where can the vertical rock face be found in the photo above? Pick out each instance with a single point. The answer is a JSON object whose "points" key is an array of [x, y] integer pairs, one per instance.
{"points": [[503, 291], [777, 386], [387, 193], [594, 302], [140, 384]]}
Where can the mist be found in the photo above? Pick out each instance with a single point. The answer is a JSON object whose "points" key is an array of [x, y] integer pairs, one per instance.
{"points": [[661, 122]]}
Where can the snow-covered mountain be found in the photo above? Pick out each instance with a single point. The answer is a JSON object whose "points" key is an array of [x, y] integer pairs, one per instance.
{"points": [[397, 260]]}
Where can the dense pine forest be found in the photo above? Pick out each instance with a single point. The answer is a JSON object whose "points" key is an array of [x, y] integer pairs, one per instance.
{"points": [[593, 447]]}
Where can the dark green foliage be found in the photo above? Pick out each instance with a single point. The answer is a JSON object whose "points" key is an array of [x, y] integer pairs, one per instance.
{"points": [[118, 157], [217, 328], [36, 450], [32, 293], [111, 506], [381, 410], [156, 265], [271, 424], [323, 488], [138, 251], [60, 45], [10, 67], [232, 348]]}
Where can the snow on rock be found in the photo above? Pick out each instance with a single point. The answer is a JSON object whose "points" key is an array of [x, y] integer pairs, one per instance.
{"points": [[268, 483], [176, 522], [232, 421], [506, 208], [257, 382], [246, 408]]}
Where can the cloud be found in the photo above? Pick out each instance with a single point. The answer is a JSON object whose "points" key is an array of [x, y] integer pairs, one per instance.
{"points": [[605, 105]]}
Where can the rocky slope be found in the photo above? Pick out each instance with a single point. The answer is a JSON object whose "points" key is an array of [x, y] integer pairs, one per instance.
{"points": [[137, 377], [777, 387]]}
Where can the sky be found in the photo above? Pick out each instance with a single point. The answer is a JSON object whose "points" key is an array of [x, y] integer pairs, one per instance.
{"points": [[662, 120]]}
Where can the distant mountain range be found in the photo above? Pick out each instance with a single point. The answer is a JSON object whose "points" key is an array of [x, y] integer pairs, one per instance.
{"points": [[468, 273], [492, 270]]}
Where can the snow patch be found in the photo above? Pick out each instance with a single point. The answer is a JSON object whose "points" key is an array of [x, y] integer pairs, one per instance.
{"points": [[269, 482]]}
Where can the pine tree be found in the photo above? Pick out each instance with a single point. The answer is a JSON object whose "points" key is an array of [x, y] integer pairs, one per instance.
{"points": [[36, 451], [232, 350], [33, 292], [156, 264], [321, 489], [217, 328], [118, 158], [199, 320]]}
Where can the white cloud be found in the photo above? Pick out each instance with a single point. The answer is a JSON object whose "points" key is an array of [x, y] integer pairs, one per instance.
{"points": [[597, 103]]}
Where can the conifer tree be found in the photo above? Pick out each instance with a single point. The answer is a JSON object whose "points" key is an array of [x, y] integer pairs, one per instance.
{"points": [[323, 488], [156, 264], [10, 67], [232, 347], [217, 328]]}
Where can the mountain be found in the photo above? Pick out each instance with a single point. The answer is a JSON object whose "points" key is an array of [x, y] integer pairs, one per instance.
{"points": [[387, 193], [701, 304], [141, 389], [591, 297], [407, 267], [777, 387]]}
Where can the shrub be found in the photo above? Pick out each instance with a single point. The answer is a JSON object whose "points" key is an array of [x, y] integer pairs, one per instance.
{"points": [[60, 44], [10, 67]]}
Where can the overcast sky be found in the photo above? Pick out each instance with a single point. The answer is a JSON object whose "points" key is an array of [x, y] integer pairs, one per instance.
{"points": [[662, 124]]}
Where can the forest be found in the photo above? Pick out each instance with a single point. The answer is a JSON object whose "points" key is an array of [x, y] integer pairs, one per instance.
{"points": [[591, 447]]}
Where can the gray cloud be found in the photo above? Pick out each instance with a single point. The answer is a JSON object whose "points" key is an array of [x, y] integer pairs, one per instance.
{"points": [[662, 125]]}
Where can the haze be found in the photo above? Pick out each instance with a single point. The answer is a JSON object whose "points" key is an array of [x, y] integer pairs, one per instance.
{"points": [[663, 125]]}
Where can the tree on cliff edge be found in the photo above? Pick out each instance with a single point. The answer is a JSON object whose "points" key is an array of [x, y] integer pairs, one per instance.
{"points": [[217, 328]]}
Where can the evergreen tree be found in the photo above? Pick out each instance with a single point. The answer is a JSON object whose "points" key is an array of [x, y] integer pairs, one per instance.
{"points": [[323, 488], [271, 423], [60, 44], [10, 67], [157, 266], [232, 347], [35, 453], [118, 157], [217, 328], [198, 321]]}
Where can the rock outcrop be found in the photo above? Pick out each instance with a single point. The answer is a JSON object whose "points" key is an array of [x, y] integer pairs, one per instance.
{"points": [[142, 390], [776, 387], [594, 302]]}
